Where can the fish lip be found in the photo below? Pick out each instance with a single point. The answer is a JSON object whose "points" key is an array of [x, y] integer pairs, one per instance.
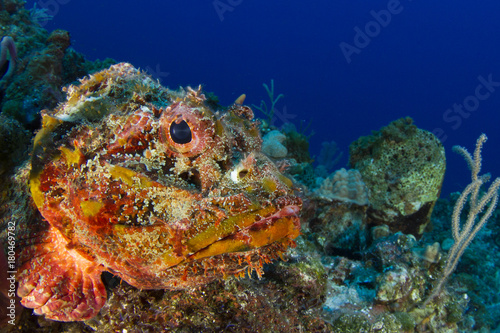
{"points": [[286, 211], [291, 211], [287, 205]]}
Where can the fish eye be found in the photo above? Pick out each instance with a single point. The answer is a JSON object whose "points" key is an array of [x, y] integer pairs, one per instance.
{"points": [[180, 132]]}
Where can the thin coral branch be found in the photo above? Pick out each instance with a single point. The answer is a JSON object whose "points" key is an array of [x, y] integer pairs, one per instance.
{"points": [[463, 234], [268, 112], [40, 15]]}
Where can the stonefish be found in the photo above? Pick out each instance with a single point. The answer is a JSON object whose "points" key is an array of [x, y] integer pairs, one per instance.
{"points": [[152, 185]]}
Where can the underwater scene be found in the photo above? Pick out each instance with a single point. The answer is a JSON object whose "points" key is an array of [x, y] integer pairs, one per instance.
{"points": [[249, 166]]}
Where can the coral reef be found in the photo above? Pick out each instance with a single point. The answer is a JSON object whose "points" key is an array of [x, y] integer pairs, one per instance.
{"points": [[45, 63], [272, 144], [477, 274], [118, 136], [14, 140], [338, 227], [289, 296], [11, 6], [297, 144], [381, 295], [481, 208], [344, 185], [403, 168], [338, 278], [335, 217], [298, 158]]}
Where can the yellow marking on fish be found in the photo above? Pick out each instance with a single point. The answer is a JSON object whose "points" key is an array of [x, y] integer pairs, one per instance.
{"points": [[91, 208]]}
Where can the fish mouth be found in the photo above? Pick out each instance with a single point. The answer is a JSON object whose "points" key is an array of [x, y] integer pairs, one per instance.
{"points": [[284, 223], [256, 237], [201, 259]]}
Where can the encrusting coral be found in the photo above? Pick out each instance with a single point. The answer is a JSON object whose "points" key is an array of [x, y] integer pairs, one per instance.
{"points": [[339, 220], [403, 167], [272, 144], [344, 185]]}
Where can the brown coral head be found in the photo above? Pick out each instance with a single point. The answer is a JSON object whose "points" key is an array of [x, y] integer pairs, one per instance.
{"points": [[185, 130]]}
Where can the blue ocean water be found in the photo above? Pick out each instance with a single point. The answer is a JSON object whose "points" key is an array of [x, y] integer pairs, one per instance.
{"points": [[347, 67]]}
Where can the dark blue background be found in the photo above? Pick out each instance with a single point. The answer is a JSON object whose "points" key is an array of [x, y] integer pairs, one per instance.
{"points": [[427, 58]]}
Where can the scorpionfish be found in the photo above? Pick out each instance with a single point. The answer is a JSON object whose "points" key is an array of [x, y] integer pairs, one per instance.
{"points": [[162, 188]]}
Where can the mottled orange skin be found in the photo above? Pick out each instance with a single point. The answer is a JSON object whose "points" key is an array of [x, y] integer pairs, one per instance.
{"points": [[120, 194]]}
